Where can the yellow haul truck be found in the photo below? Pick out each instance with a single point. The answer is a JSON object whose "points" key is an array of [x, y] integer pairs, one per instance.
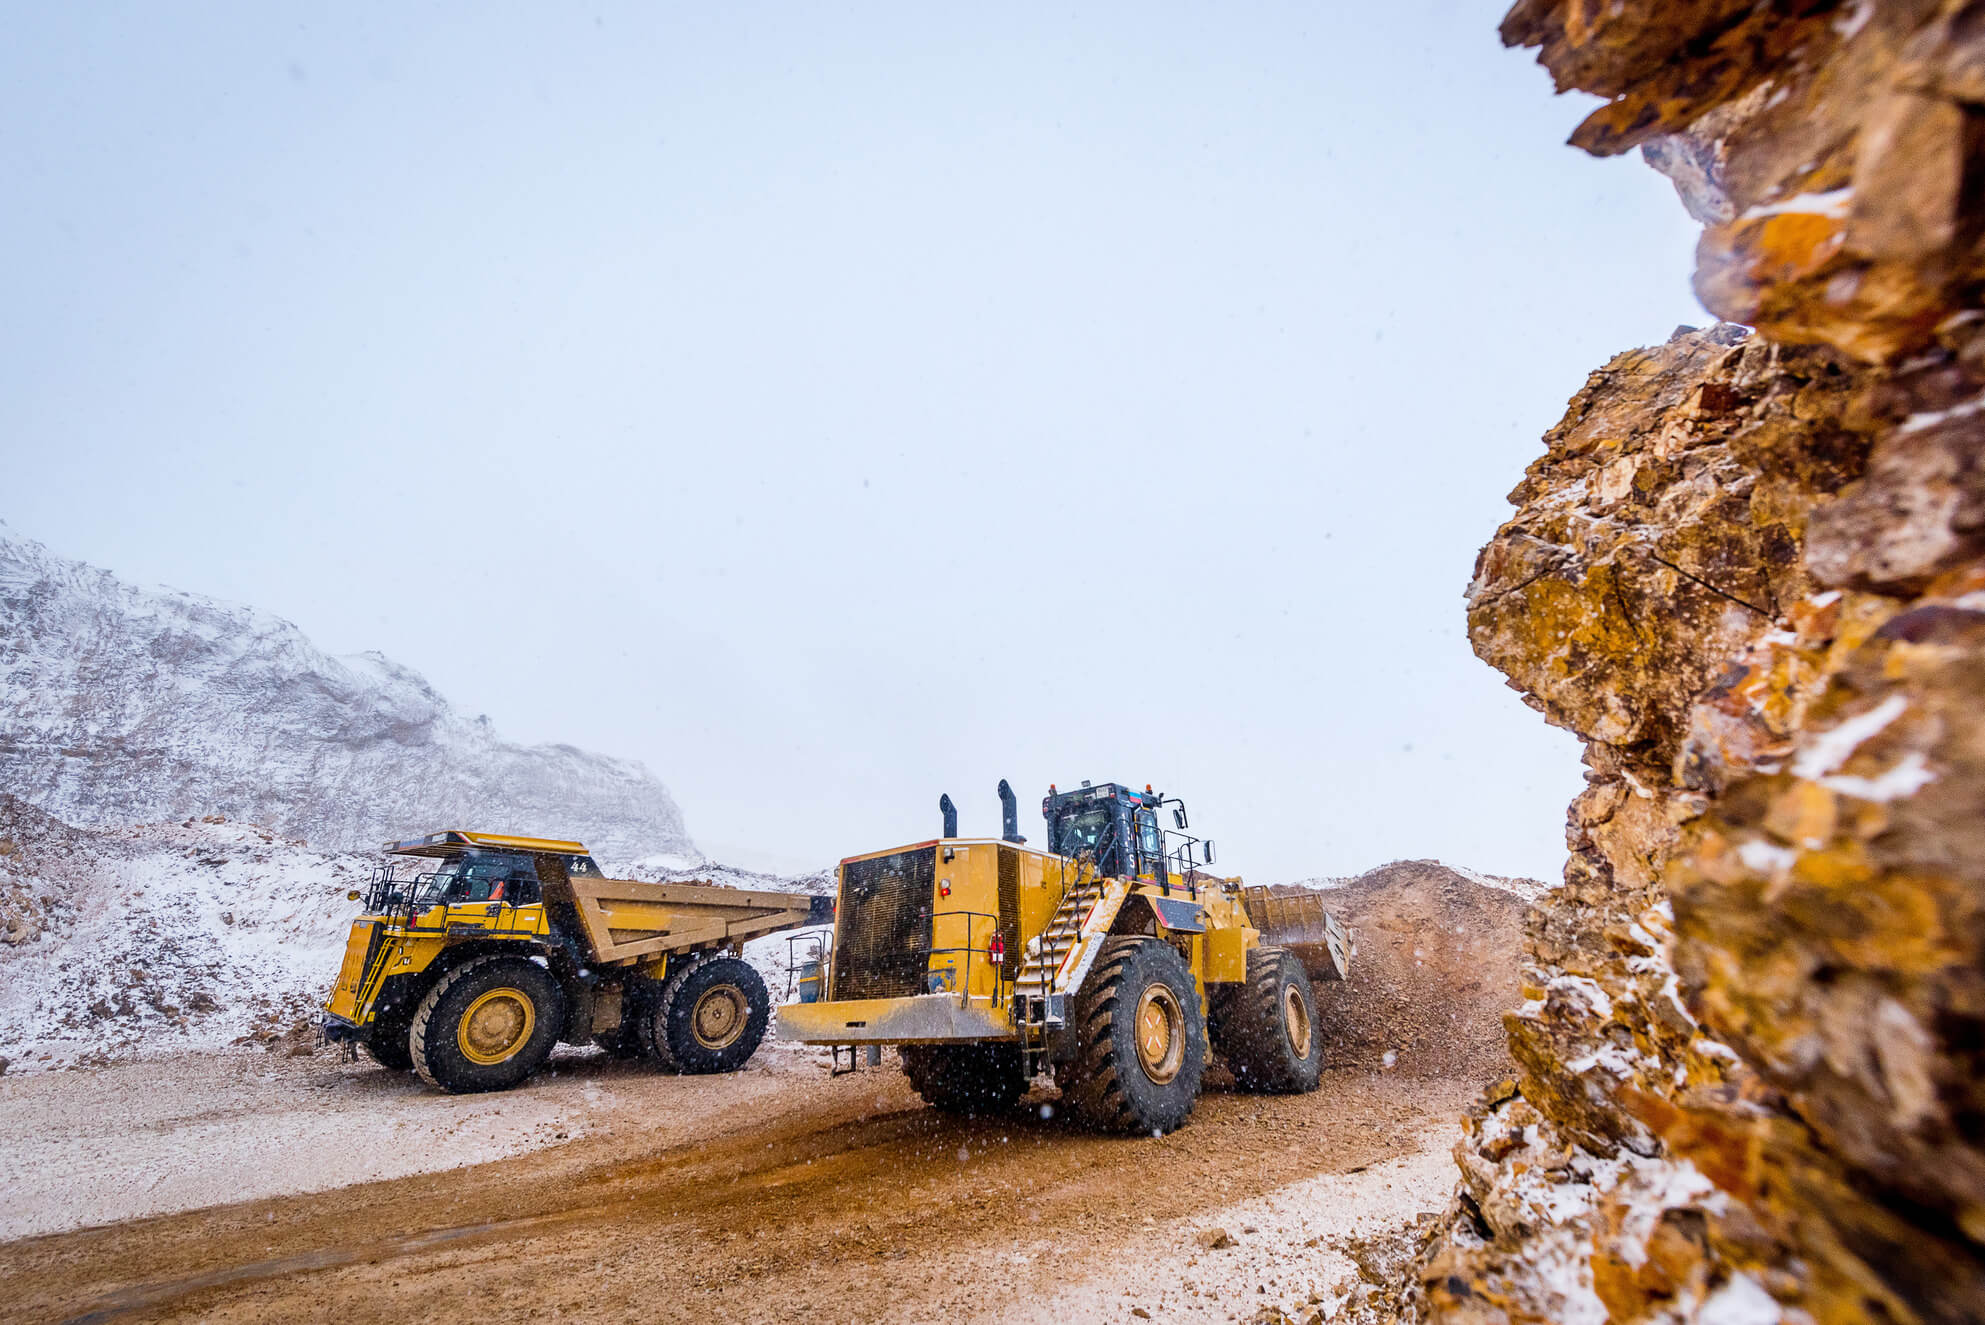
{"points": [[1110, 960], [479, 952]]}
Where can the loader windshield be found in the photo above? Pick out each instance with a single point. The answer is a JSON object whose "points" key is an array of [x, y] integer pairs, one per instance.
{"points": [[1084, 829]]}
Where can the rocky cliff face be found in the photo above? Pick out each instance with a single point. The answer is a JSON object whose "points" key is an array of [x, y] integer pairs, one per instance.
{"points": [[1748, 572], [122, 705]]}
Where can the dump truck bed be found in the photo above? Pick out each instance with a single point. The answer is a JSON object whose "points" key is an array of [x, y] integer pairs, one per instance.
{"points": [[627, 920]]}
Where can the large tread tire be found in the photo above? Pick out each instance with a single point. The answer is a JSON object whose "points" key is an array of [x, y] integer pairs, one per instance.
{"points": [[1269, 1031], [637, 998], [438, 1036], [388, 1042], [681, 1030], [1108, 1083], [973, 1080], [621, 1042]]}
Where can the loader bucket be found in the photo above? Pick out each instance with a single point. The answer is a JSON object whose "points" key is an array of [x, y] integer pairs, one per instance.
{"points": [[1321, 941]]}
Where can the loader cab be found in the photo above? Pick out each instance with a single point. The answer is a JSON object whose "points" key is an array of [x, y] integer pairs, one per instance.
{"points": [[1117, 825]]}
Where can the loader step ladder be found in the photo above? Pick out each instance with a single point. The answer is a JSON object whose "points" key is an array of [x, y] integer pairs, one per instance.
{"points": [[1041, 994], [1058, 961]]}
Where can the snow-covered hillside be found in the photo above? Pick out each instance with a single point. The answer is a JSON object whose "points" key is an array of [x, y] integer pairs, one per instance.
{"points": [[201, 934], [161, 937], [123, 705]]}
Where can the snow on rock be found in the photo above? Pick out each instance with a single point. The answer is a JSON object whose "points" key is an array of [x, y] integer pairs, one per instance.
{"points": [[162, 938], [205, 934], [121, 705]]}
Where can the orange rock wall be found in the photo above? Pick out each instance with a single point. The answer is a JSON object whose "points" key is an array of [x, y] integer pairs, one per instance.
{"points": [[1749, 572]]}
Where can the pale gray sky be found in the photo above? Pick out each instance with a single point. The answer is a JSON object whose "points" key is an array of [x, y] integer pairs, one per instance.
{"points": [[837, 405]]}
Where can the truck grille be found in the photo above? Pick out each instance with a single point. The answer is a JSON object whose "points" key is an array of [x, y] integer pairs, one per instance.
{"points": [[883, 949]]}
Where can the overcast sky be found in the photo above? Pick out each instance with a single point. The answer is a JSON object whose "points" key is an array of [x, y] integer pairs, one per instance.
{"points": [[833, 406]]}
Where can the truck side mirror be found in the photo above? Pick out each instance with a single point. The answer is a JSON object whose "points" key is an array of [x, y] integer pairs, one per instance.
{"points": [[1207, 847], [1178, 815]]}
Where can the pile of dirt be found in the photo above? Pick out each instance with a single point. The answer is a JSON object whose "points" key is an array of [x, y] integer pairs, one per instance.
{"points": [[1439, 957]]}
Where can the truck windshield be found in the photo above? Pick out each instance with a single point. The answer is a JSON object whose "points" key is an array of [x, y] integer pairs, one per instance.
{"points": [[480, 876]]}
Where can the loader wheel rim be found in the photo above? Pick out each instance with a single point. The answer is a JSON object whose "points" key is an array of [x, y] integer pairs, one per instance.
{"points": [[719, 1017], [1160, 1029], [1296, 1020], [496, 1026]]}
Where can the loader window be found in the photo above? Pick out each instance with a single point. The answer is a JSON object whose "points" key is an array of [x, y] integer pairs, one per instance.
{"points": [[1150, 842], [1083, 830]]}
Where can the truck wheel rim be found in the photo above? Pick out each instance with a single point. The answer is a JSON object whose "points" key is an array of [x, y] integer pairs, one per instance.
{"points": [[1160, 1029], [719, 1017], [1296, 1020], [496, 1026]]}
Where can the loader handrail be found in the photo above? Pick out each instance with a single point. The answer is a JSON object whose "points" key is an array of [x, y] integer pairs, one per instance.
{"points": [[971, 918]]}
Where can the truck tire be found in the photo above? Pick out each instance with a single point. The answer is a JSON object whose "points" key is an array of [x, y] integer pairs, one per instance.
{"points": [[1141, 1041], [637, 998], [487, 1025], [620, 1042], [1268, 1026], [975, 1080], [388, 1041], [708, 1016]]}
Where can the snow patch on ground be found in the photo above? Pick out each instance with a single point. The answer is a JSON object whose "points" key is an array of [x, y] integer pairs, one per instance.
{"points": [[1286, 1250]]}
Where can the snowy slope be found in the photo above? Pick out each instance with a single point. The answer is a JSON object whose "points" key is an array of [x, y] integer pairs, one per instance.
{"points": [[198, 935], [122, 705], [163, 937]]}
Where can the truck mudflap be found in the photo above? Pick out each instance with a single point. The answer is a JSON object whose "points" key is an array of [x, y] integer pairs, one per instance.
{"points": [[1321, 942], [928, 1018]]}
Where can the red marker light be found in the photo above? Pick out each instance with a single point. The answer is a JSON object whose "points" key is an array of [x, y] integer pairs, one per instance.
{"points": [[944, 887], [996, 950]]}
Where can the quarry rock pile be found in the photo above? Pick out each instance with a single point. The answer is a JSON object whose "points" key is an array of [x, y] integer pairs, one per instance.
{"points": [[1749, 572], [1439, 952]]}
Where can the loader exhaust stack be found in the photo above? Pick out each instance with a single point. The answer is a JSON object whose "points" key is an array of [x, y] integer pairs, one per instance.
{"points": [[950, 813], [1009, 814]]}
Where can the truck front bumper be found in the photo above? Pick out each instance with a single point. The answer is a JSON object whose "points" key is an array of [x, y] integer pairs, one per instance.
{"points": [[930, 1018], [336, 1028]]}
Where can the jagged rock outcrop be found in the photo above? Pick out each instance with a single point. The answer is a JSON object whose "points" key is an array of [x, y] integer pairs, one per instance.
{"points": [[1750, 573], [122, 705]]}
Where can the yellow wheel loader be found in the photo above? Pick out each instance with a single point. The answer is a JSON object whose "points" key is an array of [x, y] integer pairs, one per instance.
{"points": [[1111, 961], [476, 953]]}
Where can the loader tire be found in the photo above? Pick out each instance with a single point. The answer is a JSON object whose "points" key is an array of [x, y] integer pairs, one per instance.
{"points": [[1141, 1045], [975, 1080], [487, 1025], [1268, 1026], [389, 1043], [708, 1016]]}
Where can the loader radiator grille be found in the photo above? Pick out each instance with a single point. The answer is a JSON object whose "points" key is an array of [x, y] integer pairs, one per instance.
{"points": [[1009, 911], [883, 948]]}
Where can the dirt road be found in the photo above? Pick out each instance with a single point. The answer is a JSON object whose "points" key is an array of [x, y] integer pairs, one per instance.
{"points": [[718, 1198]]}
